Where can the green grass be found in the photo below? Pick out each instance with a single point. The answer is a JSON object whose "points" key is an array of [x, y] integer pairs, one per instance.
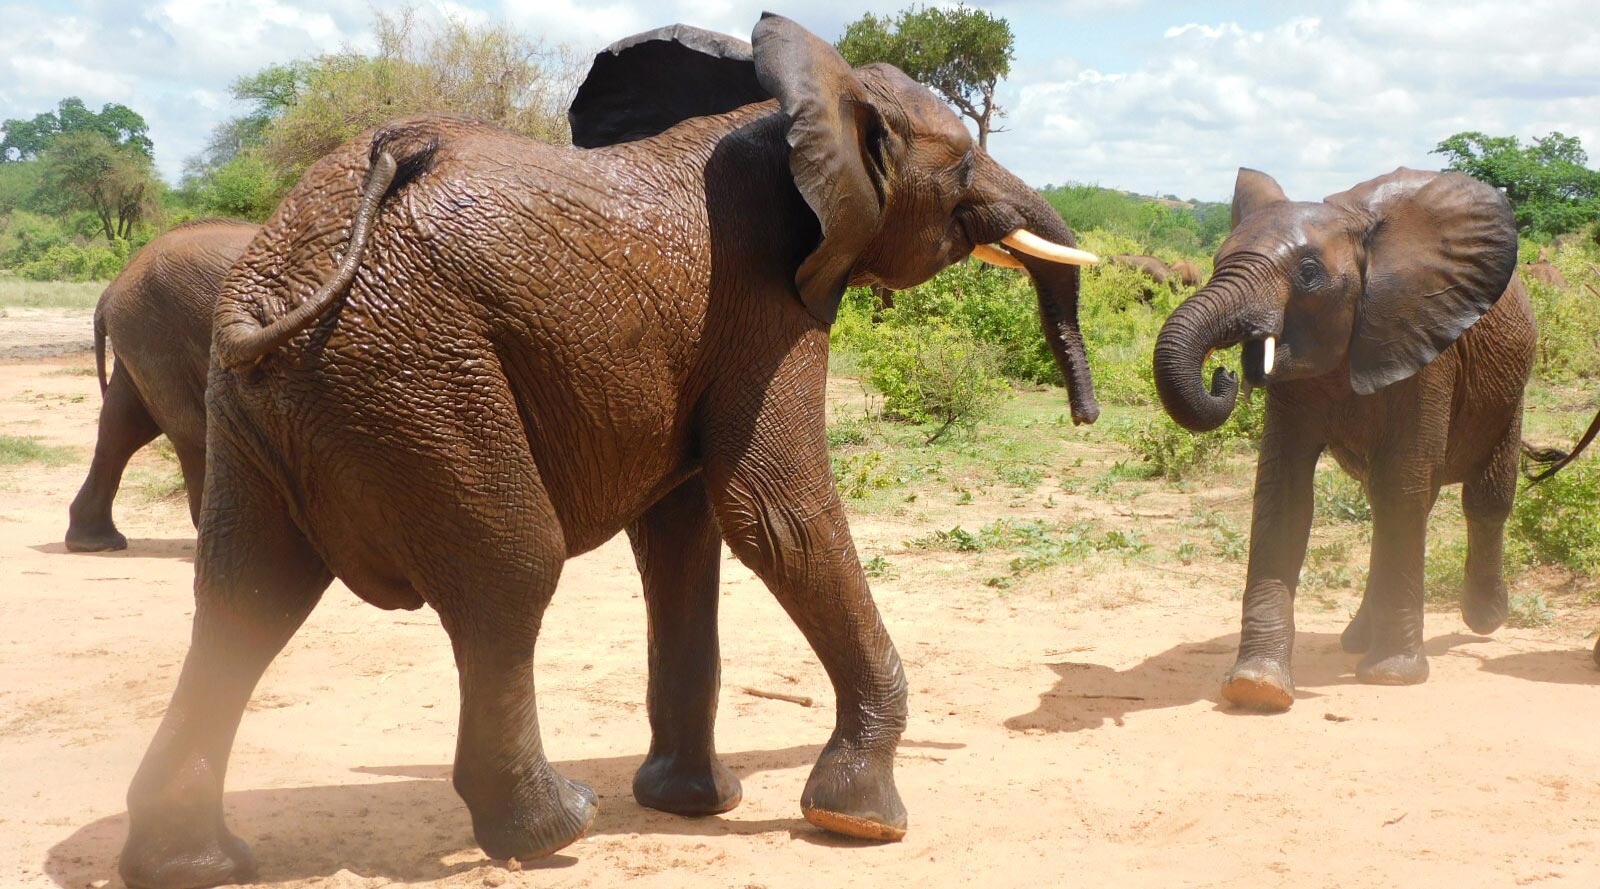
{"points": [[17, 450], [18, 293]]}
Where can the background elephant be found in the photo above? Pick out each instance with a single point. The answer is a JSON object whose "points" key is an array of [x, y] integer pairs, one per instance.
{"points": [[523, 349], [1151, 267], [1543, 271], [1387, 327], [1186, 272], [157, 314]]}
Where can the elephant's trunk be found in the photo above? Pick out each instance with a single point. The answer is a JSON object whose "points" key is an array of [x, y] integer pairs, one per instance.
{"points": [[1219, 316], [1057, 285]]}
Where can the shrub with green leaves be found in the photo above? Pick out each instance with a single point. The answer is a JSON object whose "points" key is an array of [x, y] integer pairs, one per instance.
{"points": [[935, 375], [75, 262], [1555, 519], [1340, 497]]}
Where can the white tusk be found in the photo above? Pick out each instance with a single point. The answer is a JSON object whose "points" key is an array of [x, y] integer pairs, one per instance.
{"points": [[1033, 245], [995, 256], [1269, 349]]}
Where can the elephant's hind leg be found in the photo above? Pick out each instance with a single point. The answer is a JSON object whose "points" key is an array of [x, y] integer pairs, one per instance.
{"points": [[125, 427], [1486, 500], [484, 547], [256, 579], [678, 548]]}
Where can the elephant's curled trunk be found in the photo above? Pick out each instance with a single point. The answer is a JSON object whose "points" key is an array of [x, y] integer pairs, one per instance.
{"points": [[241, 340], [1212, 319]]}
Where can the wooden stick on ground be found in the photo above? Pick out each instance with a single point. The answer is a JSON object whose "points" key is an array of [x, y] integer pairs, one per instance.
{"points": [[778, 696]]}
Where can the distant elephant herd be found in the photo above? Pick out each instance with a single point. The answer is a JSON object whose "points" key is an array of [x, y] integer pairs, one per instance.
{"points": [[454, 358]]}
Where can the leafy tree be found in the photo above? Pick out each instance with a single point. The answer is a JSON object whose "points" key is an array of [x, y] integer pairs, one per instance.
{"points": [[489, 72], [959, 53], [1548, 183], [120, 125], [83, 171], [300, 111]]}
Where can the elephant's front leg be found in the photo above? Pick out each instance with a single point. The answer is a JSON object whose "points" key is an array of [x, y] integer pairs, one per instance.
{"points": [[767, 471], [1393, 604], [1261, 679], [678, 548]]}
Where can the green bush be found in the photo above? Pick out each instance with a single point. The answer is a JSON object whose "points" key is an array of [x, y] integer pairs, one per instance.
{"points": [[74, 262], [1172, 452], [1444, 572], [936, 375], [1528, 610], [1555, 519], [1341, 498]]}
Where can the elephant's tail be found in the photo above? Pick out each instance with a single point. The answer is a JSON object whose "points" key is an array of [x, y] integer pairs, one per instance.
{"points": [[100, 347], [1553, 460], [241, 340]]}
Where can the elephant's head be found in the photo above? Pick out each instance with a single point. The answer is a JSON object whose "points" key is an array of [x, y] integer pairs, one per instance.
{"points": [[1375, 281], [897, 185]]}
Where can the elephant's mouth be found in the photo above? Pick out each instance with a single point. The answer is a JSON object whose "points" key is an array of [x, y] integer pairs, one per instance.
{"points": [[1259, 356]]}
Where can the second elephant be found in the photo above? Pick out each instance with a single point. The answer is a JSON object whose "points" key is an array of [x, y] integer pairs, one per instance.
{"points": [[1387, 327], [157, 315]]}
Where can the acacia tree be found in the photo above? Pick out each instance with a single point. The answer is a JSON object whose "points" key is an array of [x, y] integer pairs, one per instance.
{"points": [[1548, 183], [490, 72], [960, 53], [301, 111], [120, 125], [83, 171]]}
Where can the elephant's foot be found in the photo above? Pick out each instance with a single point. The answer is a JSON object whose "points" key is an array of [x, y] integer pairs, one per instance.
{"points": [[1403, 668], [1484, 610], [174, 857], [1597, 652], [1357, 637], [95, 539], [1261, 684], [537, 821], [672, 784], [852, 792]]}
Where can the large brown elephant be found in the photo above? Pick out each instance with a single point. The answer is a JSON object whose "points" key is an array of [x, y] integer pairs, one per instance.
{"points": [[1152, 267], [1388, 328], [1543, 271], [1187, 273], [455, 358], [157, 314]]}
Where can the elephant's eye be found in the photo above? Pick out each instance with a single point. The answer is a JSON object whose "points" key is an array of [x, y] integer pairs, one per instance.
{"points": [[1309, 272]]}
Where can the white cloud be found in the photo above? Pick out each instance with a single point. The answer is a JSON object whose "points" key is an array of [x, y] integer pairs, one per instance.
{"points": [[1175, 100], [1319, 102]]}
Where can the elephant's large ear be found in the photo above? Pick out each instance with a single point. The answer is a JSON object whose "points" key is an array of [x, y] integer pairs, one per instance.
{"points": [[1441, 248], [1252, 191], [833, 129], [645, 84]]}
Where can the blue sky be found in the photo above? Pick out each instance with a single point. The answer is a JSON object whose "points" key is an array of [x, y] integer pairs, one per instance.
{"points": [[1158, 97]]}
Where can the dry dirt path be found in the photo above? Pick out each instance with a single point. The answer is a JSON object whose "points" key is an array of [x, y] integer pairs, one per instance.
{"points": [[1051, 742]]}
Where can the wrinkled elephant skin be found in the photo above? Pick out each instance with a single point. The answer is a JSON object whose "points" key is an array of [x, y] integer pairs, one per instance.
{"points": [[1388, 329], [455, 358]]}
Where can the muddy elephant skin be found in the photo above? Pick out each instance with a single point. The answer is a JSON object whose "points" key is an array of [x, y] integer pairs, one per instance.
{"points": [[1387, 328], [539, 347], [157, 315]]}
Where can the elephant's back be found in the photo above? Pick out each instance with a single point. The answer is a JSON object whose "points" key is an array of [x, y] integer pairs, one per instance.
{"points": [[157, 317]]}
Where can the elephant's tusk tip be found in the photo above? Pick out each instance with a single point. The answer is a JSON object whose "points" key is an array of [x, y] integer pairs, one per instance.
{"points": [[1025, 241]]}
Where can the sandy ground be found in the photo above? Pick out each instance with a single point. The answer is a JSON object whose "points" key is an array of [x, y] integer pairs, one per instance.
{"points": [[1063, 736]]}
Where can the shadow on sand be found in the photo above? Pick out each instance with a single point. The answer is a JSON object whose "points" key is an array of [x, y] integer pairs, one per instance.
{"points": [[138, 548], [405, 829], [1088, 695]]}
